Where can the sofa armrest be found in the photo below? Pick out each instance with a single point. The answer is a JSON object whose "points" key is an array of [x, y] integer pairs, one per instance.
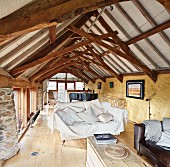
{"points": [[139, 131]]}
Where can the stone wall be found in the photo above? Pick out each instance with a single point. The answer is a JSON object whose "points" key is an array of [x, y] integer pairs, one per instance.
{"points": [[8, 125], [40, 98]]}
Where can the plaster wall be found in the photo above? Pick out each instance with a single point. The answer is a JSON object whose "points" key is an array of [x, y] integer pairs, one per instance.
{"points": [[139, 109]]}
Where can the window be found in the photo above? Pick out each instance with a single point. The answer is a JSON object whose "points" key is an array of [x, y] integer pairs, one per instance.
{"points": [[52, 85], [70, 86], [79, 85]]}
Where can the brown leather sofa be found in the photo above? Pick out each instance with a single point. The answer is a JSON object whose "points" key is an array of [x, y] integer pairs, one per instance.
{"points": [[156, 154]]}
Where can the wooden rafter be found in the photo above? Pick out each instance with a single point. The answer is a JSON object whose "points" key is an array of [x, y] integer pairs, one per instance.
{"points": [[151, 20], [149, 33], [52, 34], [41, 13], [53, 67], [70, 70], [53, 72], [128, 56], [129, 37], [54, 55], [92, 71]]}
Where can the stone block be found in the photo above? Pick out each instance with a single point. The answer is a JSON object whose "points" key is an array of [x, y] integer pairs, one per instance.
{"points": [[3, 127], [9, 145], [1, 132], [11, 133], [7, 98], [1, 138], [6, 114], [2, 92]]}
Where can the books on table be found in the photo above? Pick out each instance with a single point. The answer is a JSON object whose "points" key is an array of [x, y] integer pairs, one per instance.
{"points": [[105, 138]]}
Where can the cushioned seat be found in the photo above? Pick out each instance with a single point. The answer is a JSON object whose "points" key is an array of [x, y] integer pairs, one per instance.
{"points": [[156, 154]]}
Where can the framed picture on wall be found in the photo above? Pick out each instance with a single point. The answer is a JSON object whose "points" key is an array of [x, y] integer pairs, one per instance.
{"points": [[99, 85], [111, 84], [135, 89]]}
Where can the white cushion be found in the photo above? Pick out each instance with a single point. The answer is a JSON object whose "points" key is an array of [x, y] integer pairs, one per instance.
{"points": [[97, 111], [105, 106], [166, 124], [77, 108], [68, 116], [88, 116], [96, 103], [165, 139], [105, 117]]}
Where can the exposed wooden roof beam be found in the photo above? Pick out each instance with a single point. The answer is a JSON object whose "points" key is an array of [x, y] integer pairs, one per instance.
{"points": [[147, 40], [128, 56], [92, 71], [149, 33], [105, 66], [151, 20], [124, 47], [21, 46], [53, 67], [53, 72], [129, 37], [43, 13], [77, 75], [52, 33], [55, 54]]}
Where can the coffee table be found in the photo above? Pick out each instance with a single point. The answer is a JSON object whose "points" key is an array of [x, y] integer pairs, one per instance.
{"points": [[96, 156]]}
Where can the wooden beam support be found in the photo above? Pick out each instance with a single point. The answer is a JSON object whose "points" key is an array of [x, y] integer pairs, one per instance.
{"points": [[52, 33], [41, 13], [128, 56], [10, 82], [54, 55], [151, 20], [93, 72], [51, 73], [149, 33], [53, 67], [77, 75]]}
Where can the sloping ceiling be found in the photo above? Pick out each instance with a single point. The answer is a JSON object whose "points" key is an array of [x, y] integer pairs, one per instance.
{"points": [[122, 38]]}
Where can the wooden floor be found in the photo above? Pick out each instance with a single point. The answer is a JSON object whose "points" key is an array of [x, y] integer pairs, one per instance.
{"points": [[51, 153]]}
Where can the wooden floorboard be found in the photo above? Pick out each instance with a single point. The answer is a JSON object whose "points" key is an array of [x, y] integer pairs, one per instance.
{"points": [[51, 152]]}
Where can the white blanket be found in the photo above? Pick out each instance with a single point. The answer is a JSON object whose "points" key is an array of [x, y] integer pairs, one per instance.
{"points": [[83, 130], [165, 139]]}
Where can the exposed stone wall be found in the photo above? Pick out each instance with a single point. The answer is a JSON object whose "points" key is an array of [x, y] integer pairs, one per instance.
{"points": [[8, 125], [40, 98]]}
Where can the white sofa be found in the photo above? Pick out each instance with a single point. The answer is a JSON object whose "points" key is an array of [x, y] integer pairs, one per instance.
{"points": [[73, 120]]}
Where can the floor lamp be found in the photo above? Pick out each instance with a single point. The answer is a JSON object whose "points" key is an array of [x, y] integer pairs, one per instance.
{"points": [[149, 99]]}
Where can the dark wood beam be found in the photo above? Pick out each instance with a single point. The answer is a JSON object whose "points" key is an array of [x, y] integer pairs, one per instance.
{"points": [[52, 34], [53, 67], [151, 20], [53, 72], [149, 33], [41, 13], [128, 56], [54, 55]]}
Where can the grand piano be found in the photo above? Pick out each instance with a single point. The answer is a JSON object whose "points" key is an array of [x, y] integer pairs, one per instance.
{"points": [[83, 96]]}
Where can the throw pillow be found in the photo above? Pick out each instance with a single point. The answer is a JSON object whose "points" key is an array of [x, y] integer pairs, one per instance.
{"points": [[77, 108], [105, 117], [165, 139], [73, 115], [166, 124], [105, 106], [88, 116], [97, 111]]}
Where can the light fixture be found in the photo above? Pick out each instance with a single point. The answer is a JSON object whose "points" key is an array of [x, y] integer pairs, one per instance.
{"points": [[149, 99]]}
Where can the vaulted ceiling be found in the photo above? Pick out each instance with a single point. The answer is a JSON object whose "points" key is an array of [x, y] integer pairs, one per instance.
{"points": [[88, 39]]}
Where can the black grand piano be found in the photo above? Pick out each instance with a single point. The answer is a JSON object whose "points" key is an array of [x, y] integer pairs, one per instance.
{"points": [[83, 96]]}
